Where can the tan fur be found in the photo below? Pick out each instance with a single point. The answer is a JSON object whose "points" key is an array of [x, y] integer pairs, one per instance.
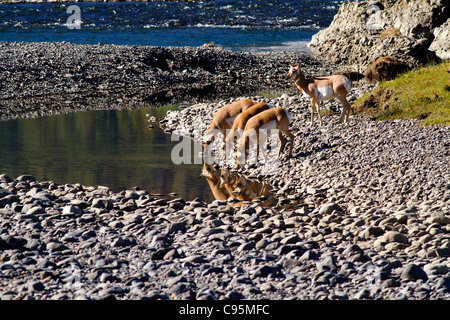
{"points": [[246, 190], [311, 87], [225, 186], [241, 120], [223, 117], [278, 115], [214, 182], [229, 111]]}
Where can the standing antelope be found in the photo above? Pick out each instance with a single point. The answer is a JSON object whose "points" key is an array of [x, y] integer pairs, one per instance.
{"points": [[240, 122], [322, 88], [274, 118], [224, 118]]}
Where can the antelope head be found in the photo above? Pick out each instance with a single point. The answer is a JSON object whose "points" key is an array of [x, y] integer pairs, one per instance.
{"points": [[294, 70]]}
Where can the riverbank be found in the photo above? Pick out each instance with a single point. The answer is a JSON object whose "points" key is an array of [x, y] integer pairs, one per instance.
{"points": [[49, 78], [363, 207], [363, 213]]}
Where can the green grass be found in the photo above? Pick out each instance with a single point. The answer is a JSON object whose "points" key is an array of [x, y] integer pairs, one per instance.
{"points": [[420, 94], [269, 95]]}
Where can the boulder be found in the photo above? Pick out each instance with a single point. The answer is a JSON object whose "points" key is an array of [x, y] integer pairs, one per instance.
{"points": [[362, 32], [385, 68], [441, 42]]}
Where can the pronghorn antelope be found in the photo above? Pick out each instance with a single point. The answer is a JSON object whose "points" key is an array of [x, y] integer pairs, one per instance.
{"points": [[224, 118], [274, 118], [322, 88], [240, 122], [226, 186], [248, 190], [219, 191], [244, 189]]}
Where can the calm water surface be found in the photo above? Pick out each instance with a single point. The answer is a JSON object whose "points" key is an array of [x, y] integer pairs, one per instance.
{"points": [[111, 148]]}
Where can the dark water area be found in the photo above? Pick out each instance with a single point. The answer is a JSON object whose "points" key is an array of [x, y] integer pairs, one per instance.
{"points": [[250, 25], [110, 148]]}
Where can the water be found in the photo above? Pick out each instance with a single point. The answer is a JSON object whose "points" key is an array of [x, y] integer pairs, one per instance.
{"points": [[110, 148], [248, 25]]}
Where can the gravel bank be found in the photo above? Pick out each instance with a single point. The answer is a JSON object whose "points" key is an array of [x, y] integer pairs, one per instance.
{"points": [[363, 213], [48, 78], [371, 196]]}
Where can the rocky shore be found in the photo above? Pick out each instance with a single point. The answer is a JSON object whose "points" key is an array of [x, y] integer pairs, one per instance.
{"points": [[361, 210], [372, 196], [49, 78]]}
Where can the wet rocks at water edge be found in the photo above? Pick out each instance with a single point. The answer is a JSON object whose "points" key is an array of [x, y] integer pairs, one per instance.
{"points": [[364, 208], [79, 242]]}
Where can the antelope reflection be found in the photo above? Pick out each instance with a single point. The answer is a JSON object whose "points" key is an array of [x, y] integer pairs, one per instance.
{"points": [[226, 185]]}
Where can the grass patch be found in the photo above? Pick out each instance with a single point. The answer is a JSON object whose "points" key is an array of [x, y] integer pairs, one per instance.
{"points": [[269, 95], [420, 94], [327, 112]]}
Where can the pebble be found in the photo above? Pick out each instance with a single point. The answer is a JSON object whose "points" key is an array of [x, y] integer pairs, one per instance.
{"points": [[413, 272]]}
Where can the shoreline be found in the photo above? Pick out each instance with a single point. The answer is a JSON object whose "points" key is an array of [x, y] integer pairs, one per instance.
{"points": [[63, 77], [370, 214]]}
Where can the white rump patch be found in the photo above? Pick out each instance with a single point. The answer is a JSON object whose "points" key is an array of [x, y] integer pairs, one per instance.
{"points": [[347, 84]]}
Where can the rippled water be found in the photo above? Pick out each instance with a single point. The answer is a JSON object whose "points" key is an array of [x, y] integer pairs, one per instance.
{"points": [[250, 25]]}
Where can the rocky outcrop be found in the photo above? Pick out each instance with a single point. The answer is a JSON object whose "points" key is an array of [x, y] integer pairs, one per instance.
{"points": [[441, 42], [412, 31]]}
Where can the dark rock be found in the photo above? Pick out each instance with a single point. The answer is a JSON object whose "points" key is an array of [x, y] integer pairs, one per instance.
{"points": [[11, 242], [385, 68], [265, 271], [35, 286], [176, 227], [443, 284], [5, 178], [413, 272], [328, 263]]}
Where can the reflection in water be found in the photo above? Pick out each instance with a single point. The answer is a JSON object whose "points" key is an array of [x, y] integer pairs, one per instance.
{"points": [[113, 148], [225, 185]]}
